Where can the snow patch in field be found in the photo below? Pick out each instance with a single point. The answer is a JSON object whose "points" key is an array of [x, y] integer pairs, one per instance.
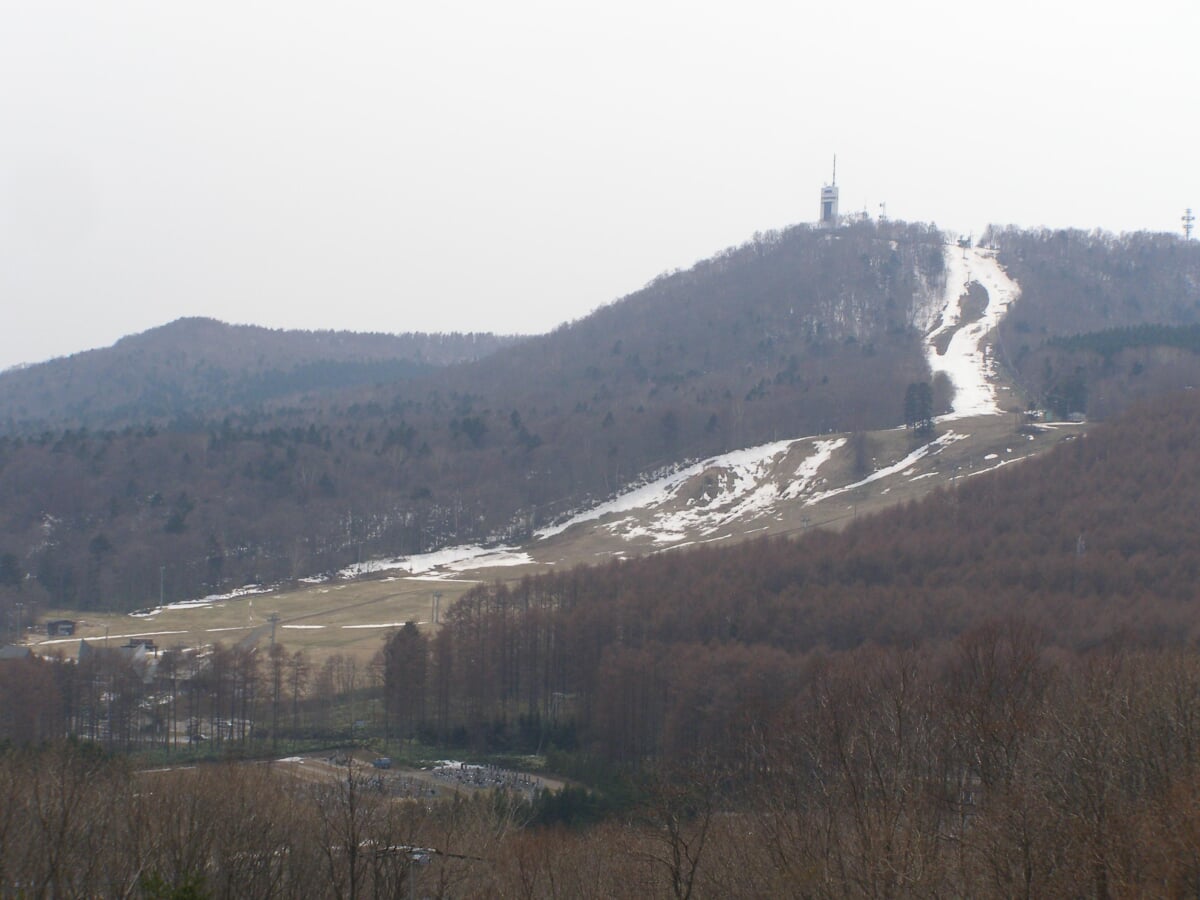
{"points": [[203, 602], [450, 559], [111, 637], [737, 486], [383, 625], [302, 627], [937, 445]]}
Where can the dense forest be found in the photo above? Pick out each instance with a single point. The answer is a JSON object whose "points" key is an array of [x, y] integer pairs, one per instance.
{"points": [[797, 332], [990, 769], [1103, 320], [989, 692], [200, 368]]}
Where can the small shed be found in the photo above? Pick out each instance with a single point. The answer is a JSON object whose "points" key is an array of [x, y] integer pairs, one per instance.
{"points": [[60, 628]]}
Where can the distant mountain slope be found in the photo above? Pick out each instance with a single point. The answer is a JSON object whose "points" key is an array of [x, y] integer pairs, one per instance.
{"points": [[203, 368], [801, 332], [1077, 283], [798, 332]]}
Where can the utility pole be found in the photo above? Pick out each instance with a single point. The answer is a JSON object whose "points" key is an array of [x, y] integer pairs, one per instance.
{"points": [[1188, 221]]}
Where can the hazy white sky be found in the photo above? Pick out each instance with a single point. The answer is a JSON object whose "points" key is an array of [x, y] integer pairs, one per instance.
{"points": [[463, 165]]}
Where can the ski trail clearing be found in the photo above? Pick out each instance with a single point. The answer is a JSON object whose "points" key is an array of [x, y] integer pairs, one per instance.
{"points": [[966, 360]]}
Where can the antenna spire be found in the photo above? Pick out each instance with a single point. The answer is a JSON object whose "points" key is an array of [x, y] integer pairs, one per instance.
{"points": [[835, 172]]}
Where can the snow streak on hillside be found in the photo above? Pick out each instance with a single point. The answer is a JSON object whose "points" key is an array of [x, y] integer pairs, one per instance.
{"points": [[966, 360], [711, 495]]}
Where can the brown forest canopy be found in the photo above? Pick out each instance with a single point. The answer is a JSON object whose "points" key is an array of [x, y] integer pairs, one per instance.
{"points": [[1100, 537]]}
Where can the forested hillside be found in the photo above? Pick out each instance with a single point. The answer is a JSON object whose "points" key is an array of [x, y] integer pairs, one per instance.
{"points": [[1099, 538], [1075, 284], [793, 333], [201, 368], [993, 692], [798, 332]]}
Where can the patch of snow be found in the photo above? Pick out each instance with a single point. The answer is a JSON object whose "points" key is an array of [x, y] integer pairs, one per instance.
{"points": [[454, 559], [203, 602], [302, 627], [934, 447], [740, 487], [383, 625], [111, 637]]}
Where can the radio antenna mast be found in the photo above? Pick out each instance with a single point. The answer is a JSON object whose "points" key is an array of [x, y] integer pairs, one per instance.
{"points": [[1188, 221]]}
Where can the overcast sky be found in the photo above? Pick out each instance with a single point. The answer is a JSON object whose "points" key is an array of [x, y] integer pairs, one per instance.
{"points": [[378, 165]]}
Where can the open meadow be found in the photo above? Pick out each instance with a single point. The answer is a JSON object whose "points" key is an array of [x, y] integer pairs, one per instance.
{"points": [[346, 617]]}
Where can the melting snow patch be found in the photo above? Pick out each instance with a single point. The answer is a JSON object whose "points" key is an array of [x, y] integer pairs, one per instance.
{"points": [[736, 486], [966, 360], [203, 602], [937, 445], [457, 559]]}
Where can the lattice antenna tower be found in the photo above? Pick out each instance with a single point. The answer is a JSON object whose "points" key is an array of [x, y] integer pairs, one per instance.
{"points": [[1188, 221]]}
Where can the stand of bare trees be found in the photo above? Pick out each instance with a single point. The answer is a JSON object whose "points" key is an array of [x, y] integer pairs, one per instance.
{"points": [[991, 766]]}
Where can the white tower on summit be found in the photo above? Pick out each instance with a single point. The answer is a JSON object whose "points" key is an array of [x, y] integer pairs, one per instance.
{"points": [[829, 200]]}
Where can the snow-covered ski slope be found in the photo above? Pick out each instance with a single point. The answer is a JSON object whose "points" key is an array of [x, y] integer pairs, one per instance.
{"points": [[967, 361], [752, 482], [744, 491]]}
